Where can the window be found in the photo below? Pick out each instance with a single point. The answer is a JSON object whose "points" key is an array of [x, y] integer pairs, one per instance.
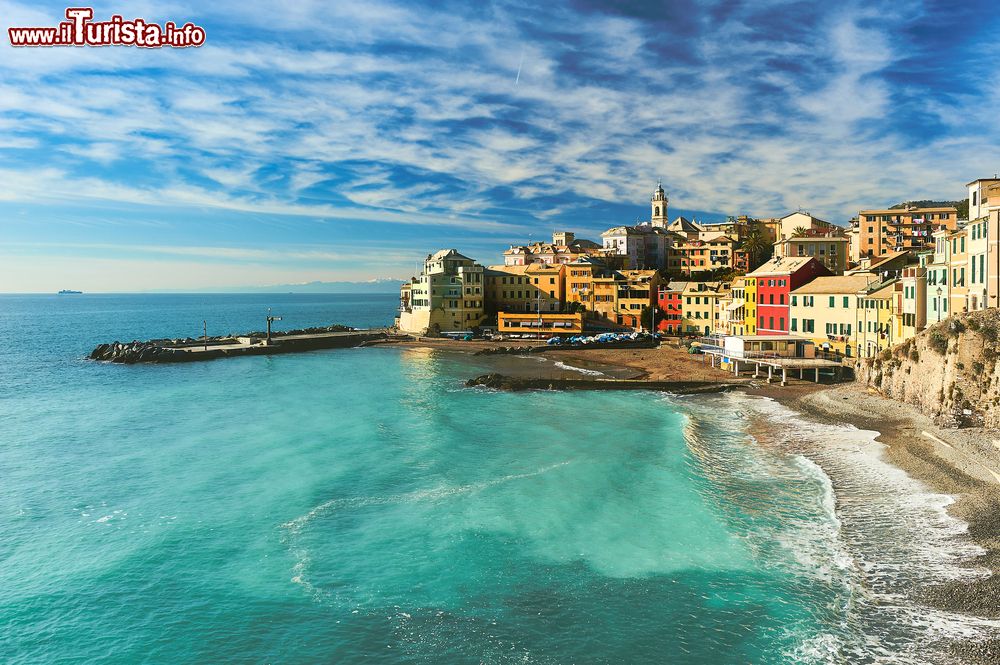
{"points": [[781, 323], [794, 303], [781, 298], [794, 322], [832, 300], [770, 320], [847, 301]]}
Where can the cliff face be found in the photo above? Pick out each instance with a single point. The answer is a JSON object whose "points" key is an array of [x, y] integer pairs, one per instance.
{"points": [[950, 371]]}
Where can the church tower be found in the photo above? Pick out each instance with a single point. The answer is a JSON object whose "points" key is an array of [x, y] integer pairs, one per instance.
{"points": [[658, 207]]}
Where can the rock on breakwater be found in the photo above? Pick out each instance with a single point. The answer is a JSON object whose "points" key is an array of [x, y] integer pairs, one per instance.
{"points": [[249, 344]]}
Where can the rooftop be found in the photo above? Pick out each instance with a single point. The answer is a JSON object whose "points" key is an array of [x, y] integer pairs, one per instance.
{"points": [[836, 284], [783, 265]]}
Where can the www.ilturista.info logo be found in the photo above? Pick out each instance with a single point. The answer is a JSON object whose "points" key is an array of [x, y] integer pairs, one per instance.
{"points": [[80, 30]]}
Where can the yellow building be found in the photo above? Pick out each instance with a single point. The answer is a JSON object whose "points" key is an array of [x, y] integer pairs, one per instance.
{"points": [[876, 314], [636, 291], [958, 263], [699, 307], [448, 295], [525, 288], [831, 251], [579, 281], [750, 306], [825, 311]]}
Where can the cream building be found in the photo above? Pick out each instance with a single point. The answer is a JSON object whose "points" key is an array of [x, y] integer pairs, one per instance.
{"points": [[831, 251], [448, 295], [825, 311]]}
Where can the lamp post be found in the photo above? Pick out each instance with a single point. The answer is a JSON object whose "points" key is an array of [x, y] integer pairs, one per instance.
{"points": [[269, 320], [939, 303]]}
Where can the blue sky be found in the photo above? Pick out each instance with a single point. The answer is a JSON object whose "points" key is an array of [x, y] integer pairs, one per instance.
{"points": [[346, 140]]}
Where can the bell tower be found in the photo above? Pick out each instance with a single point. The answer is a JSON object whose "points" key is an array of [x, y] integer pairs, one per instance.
{"points": [[658, 207]]}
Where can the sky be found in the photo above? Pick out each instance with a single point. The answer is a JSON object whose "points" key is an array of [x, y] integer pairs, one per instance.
{"points": [[346, 140]]}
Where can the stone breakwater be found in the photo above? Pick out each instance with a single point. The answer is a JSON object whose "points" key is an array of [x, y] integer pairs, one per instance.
{"points": [[137, 352], [248, 344], [516, 384]]}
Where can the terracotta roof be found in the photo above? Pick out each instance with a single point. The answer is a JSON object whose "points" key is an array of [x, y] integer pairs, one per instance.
{"points": [[836, 284]]}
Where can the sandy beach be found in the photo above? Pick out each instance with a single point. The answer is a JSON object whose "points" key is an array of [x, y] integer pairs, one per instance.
{"points": [[963, 463]]}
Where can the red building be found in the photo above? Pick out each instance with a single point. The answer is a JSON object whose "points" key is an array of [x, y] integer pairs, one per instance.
{"points": [[668, 301], [775, 281]]}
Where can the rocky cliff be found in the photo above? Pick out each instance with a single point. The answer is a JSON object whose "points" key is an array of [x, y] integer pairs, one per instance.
{"points": [[949, 371]]}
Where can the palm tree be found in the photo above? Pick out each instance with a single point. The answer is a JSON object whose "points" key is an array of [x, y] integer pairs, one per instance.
{"points": [[799, 232], [756, 247]]}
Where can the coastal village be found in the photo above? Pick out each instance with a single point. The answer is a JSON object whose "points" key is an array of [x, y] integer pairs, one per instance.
{"points": [[796, 286]]}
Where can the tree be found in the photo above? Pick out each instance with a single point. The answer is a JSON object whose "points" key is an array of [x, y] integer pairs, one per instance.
{"points": [[757, 247], [799, 232]]}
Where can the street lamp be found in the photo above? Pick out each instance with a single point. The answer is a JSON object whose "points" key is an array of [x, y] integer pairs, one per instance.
{"points": [[939, 303]]}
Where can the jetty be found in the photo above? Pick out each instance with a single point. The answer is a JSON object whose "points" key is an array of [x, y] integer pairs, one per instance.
{"points": [[518, 384], [233, 346]]}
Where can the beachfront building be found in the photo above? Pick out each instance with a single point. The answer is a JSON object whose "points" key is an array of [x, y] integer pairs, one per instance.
{"points": [[898, 229], [958, 263], [729, 310], [825, 311], [936, 269], [540, 324], [984, 244], [735, 310], [580, 276], [525, 288], [775, 280], [635, 295], [448, 295], [831, 250], [877, 328], [914, 301], [750, 305], [699, 308], [669, 301]]}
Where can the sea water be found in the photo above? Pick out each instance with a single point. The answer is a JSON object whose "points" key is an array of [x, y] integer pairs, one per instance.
{"points": [[363, 506]]}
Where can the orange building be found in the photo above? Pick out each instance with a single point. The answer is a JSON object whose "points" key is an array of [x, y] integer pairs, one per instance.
{"points": [[898, 229]]}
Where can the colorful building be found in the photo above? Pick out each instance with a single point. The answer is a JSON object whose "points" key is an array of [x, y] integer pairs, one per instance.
{"points": [[636, 293], [900, 229], [825, 311], [448, 295], [525, 288], [876, 315], [831, 251], [750, 305], [776, 279], [669, 301], [700, 314]]}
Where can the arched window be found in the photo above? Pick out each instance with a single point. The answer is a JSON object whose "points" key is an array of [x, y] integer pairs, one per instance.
{"points": [[656, 211]]}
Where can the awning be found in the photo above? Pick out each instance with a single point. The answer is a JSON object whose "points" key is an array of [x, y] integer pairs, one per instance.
{"points": [[736, 304]]}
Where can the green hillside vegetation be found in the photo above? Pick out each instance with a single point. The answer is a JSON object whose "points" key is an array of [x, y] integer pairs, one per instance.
{"points": [[962, 206]]}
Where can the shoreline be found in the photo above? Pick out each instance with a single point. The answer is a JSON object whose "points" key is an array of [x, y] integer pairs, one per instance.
{"points": [[964, 464]]}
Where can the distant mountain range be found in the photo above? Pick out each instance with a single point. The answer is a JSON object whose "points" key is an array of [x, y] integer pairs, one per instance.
{"points": [[378, 285]]}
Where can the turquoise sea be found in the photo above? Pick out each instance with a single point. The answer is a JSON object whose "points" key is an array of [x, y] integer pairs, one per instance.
{"points": [[362, 506]]}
